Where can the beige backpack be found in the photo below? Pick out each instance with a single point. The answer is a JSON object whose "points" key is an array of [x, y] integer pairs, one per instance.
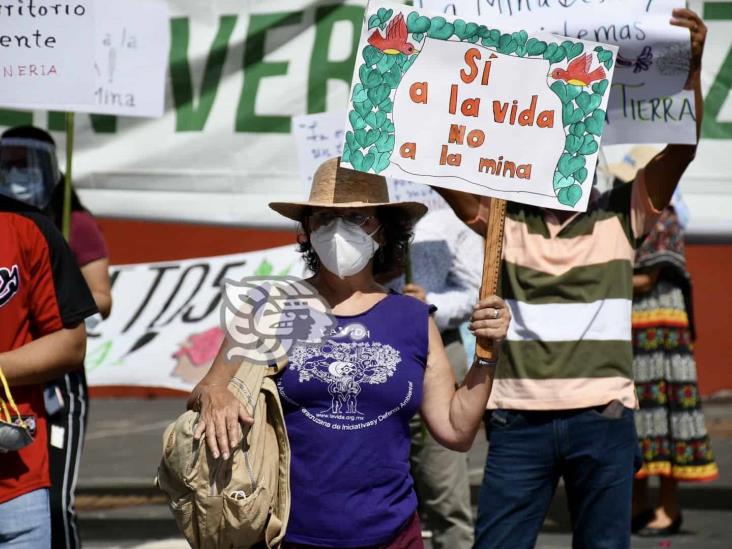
{"points": [[244, 500]]}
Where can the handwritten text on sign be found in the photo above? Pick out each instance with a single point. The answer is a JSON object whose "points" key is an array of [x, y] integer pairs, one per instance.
{"points": [[46, 52], [464, 106]]}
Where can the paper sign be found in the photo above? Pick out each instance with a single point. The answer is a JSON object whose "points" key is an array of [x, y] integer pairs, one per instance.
{"points": [[132, 44], [320, 136], [670, 119], [131, 48], [653, 57], [466, 106], [46, 53]]}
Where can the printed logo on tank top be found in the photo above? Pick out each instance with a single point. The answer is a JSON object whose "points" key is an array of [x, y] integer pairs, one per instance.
{"points": [[345, 369], [9, 283]]}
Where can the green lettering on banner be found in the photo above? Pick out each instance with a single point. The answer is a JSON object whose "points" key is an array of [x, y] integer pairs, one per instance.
{"points": [[101, 123], [719, 91], [321, 68], [256, 69], [15, 118], [189, 116]]}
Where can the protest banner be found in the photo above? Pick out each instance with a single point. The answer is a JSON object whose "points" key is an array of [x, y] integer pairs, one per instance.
{"points": [[165, 327], [237, 75], [320, 136], [465, 106], [46, 53], [646, 102]]}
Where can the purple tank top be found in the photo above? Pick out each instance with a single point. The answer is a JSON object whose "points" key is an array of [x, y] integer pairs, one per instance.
{"points": [[347, 403]]}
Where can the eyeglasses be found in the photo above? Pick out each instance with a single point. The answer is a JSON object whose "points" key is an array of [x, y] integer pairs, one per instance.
{"points": [[354, 219]]}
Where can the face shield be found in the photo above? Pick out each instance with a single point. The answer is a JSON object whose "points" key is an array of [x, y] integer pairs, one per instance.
{"points": [[28, 170]]}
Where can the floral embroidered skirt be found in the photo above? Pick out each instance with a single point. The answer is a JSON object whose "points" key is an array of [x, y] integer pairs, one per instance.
{"points": [[670, 423]]}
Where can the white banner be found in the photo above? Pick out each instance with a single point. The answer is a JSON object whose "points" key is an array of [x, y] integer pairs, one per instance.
{"points": [[238, 73], [165, 326], [46, 53]]}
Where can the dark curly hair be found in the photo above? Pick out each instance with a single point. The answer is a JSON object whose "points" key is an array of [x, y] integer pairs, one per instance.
{"points": [[396, 228]]}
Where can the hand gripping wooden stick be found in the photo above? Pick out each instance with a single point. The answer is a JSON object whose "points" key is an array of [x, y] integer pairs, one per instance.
{"points": [[484, 349]]}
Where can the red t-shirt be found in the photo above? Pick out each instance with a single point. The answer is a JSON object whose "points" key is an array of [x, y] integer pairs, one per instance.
{"points": [[41, 292]]}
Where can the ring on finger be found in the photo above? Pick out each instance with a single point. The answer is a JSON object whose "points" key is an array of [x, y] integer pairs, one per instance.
{"points": [[496, 314]]}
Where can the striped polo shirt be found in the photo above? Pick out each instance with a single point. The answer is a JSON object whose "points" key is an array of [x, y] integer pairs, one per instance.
{"points": [[570, 287]]}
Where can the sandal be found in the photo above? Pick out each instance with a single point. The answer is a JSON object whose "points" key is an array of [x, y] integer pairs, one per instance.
{"points": [[639, 521]]}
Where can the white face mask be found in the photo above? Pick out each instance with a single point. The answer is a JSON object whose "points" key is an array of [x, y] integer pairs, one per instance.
{"points": [[342, 248]]}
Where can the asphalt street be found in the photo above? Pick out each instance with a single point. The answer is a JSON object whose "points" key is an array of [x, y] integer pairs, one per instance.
{"points": [[120, 508]]}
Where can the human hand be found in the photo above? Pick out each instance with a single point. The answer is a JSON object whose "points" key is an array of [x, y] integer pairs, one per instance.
{"points": [[415, 291], [221, 417], [686, 18], [491, 318]]}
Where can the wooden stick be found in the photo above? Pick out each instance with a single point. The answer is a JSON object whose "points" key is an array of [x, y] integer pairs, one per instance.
{"points": [[491, 267], [66, 217]]}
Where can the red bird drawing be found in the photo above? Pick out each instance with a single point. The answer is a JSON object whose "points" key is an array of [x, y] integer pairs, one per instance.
{"points": [[396, 38], [578, 72]]}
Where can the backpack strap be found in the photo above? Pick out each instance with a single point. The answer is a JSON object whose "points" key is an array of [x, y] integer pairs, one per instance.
{"points": [[247, 382]]}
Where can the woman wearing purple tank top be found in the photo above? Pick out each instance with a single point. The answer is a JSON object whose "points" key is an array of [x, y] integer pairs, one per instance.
{"points": [[348, 399]]}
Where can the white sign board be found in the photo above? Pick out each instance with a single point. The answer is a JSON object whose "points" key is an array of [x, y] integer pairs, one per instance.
{"points": [[131, 48], [46, 53], [646, 103], [440, 101], [165, 327]]}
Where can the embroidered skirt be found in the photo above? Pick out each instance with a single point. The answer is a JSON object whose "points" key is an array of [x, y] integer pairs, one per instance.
{"points": [[670, 423]]}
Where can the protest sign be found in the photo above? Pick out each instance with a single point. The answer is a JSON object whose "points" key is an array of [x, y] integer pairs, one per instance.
{"points": [[646, 103], [320, 136], [131, 48], [465, 106], [165, 327], [46, 53]]}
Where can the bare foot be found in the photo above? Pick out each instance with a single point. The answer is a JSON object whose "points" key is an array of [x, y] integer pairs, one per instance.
{"points": [[663, 519]]}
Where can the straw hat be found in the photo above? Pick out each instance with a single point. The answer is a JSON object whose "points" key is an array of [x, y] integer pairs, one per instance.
{"points": [[337, 187], [634, 160]]}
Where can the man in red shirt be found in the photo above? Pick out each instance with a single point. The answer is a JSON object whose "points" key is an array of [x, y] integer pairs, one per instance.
{"points": [[43, 303]]}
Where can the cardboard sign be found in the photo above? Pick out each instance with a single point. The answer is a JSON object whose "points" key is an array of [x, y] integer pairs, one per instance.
{"points": [[458, 104], [646, 102], [46, 53]]}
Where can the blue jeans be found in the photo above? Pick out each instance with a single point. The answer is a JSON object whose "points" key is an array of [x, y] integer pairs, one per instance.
{"points": [[25, 521], [530, 451]]}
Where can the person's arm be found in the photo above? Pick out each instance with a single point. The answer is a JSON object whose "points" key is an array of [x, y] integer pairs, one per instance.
{"points": [[45, 358], [663, 172], [468, 207], [453, 416], [221, 413], [96, 275], [645, 280]]}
